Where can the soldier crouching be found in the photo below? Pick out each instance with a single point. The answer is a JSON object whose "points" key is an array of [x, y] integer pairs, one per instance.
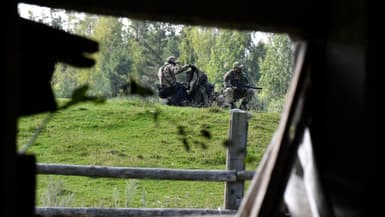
{"points": [[168, 87], [235, 82]]}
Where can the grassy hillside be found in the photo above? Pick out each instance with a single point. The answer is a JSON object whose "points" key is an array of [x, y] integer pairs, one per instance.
{"points": [[136, 133]]}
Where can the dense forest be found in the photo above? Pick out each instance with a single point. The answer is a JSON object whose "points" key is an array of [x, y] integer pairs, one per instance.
{"points": [[135, 49]]}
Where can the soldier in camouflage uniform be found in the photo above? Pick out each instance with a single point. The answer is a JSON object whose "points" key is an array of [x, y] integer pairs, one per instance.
{"points": [[199, 88], [234, 81], [168, 86]]}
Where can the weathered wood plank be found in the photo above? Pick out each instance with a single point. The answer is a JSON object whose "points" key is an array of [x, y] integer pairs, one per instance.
{"points": [[236, 153], [267, 188], [143, 173], [129, 212], [245, 175]]}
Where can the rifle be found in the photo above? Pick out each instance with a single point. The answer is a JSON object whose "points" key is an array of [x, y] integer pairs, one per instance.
{"points": [[251, 87]]}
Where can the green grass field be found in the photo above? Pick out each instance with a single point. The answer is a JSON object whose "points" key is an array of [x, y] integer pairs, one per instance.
{"points": [[137, 133]]}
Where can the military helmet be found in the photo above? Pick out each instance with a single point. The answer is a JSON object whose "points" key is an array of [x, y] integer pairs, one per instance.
{"points": [[237, 65], [171, 59]]}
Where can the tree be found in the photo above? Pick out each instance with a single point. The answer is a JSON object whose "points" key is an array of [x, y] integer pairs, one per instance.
{"points": [[255, 55], [196, 45], [136, 49], [64, 80], [230, 46], [276, 72], [187, 52], [150, 44], [113, 66]]}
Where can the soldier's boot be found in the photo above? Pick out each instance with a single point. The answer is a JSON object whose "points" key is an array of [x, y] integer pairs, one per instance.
{"points": [[232, 105], [228, 106], [205, 100], [243, 105]]}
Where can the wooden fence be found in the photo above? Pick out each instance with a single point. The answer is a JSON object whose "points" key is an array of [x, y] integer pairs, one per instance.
{"points": [[234, 176], [144, 173]]}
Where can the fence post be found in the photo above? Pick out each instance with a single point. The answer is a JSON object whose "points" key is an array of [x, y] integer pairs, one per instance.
{"points": [[236, 153]]}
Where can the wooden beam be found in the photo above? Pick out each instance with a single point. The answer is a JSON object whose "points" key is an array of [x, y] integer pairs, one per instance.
{"points": [[128, 212], [144, 173], [265, 193], [271, 16], [235, 160]]}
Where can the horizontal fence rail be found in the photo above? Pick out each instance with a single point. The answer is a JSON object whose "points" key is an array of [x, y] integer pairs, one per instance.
{"points": [[144, 173], [129, 212]]}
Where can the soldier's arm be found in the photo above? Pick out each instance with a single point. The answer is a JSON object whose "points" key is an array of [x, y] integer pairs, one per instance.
{"points": [[193, 82], [179, 69], [227, 80]]}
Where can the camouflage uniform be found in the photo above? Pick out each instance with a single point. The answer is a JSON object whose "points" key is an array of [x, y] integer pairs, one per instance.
{"points": [[233, 90], [169, 87], [199, 88]]}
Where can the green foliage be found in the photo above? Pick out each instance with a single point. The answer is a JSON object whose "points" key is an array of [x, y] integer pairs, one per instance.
{"points": [[64, 80], [136, 133], [188, 53], [85, 26], [276, 72], [256, 55], [150, 45], [113, 66], [230, 46], [195, 46], [134, 49]]}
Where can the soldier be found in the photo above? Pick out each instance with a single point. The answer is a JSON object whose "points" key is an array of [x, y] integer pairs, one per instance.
{"points": [[168, 86], [234, 87], [199, 88]]}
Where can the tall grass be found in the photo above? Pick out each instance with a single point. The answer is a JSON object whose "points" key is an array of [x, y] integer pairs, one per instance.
{"points": [[55, 195]]}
